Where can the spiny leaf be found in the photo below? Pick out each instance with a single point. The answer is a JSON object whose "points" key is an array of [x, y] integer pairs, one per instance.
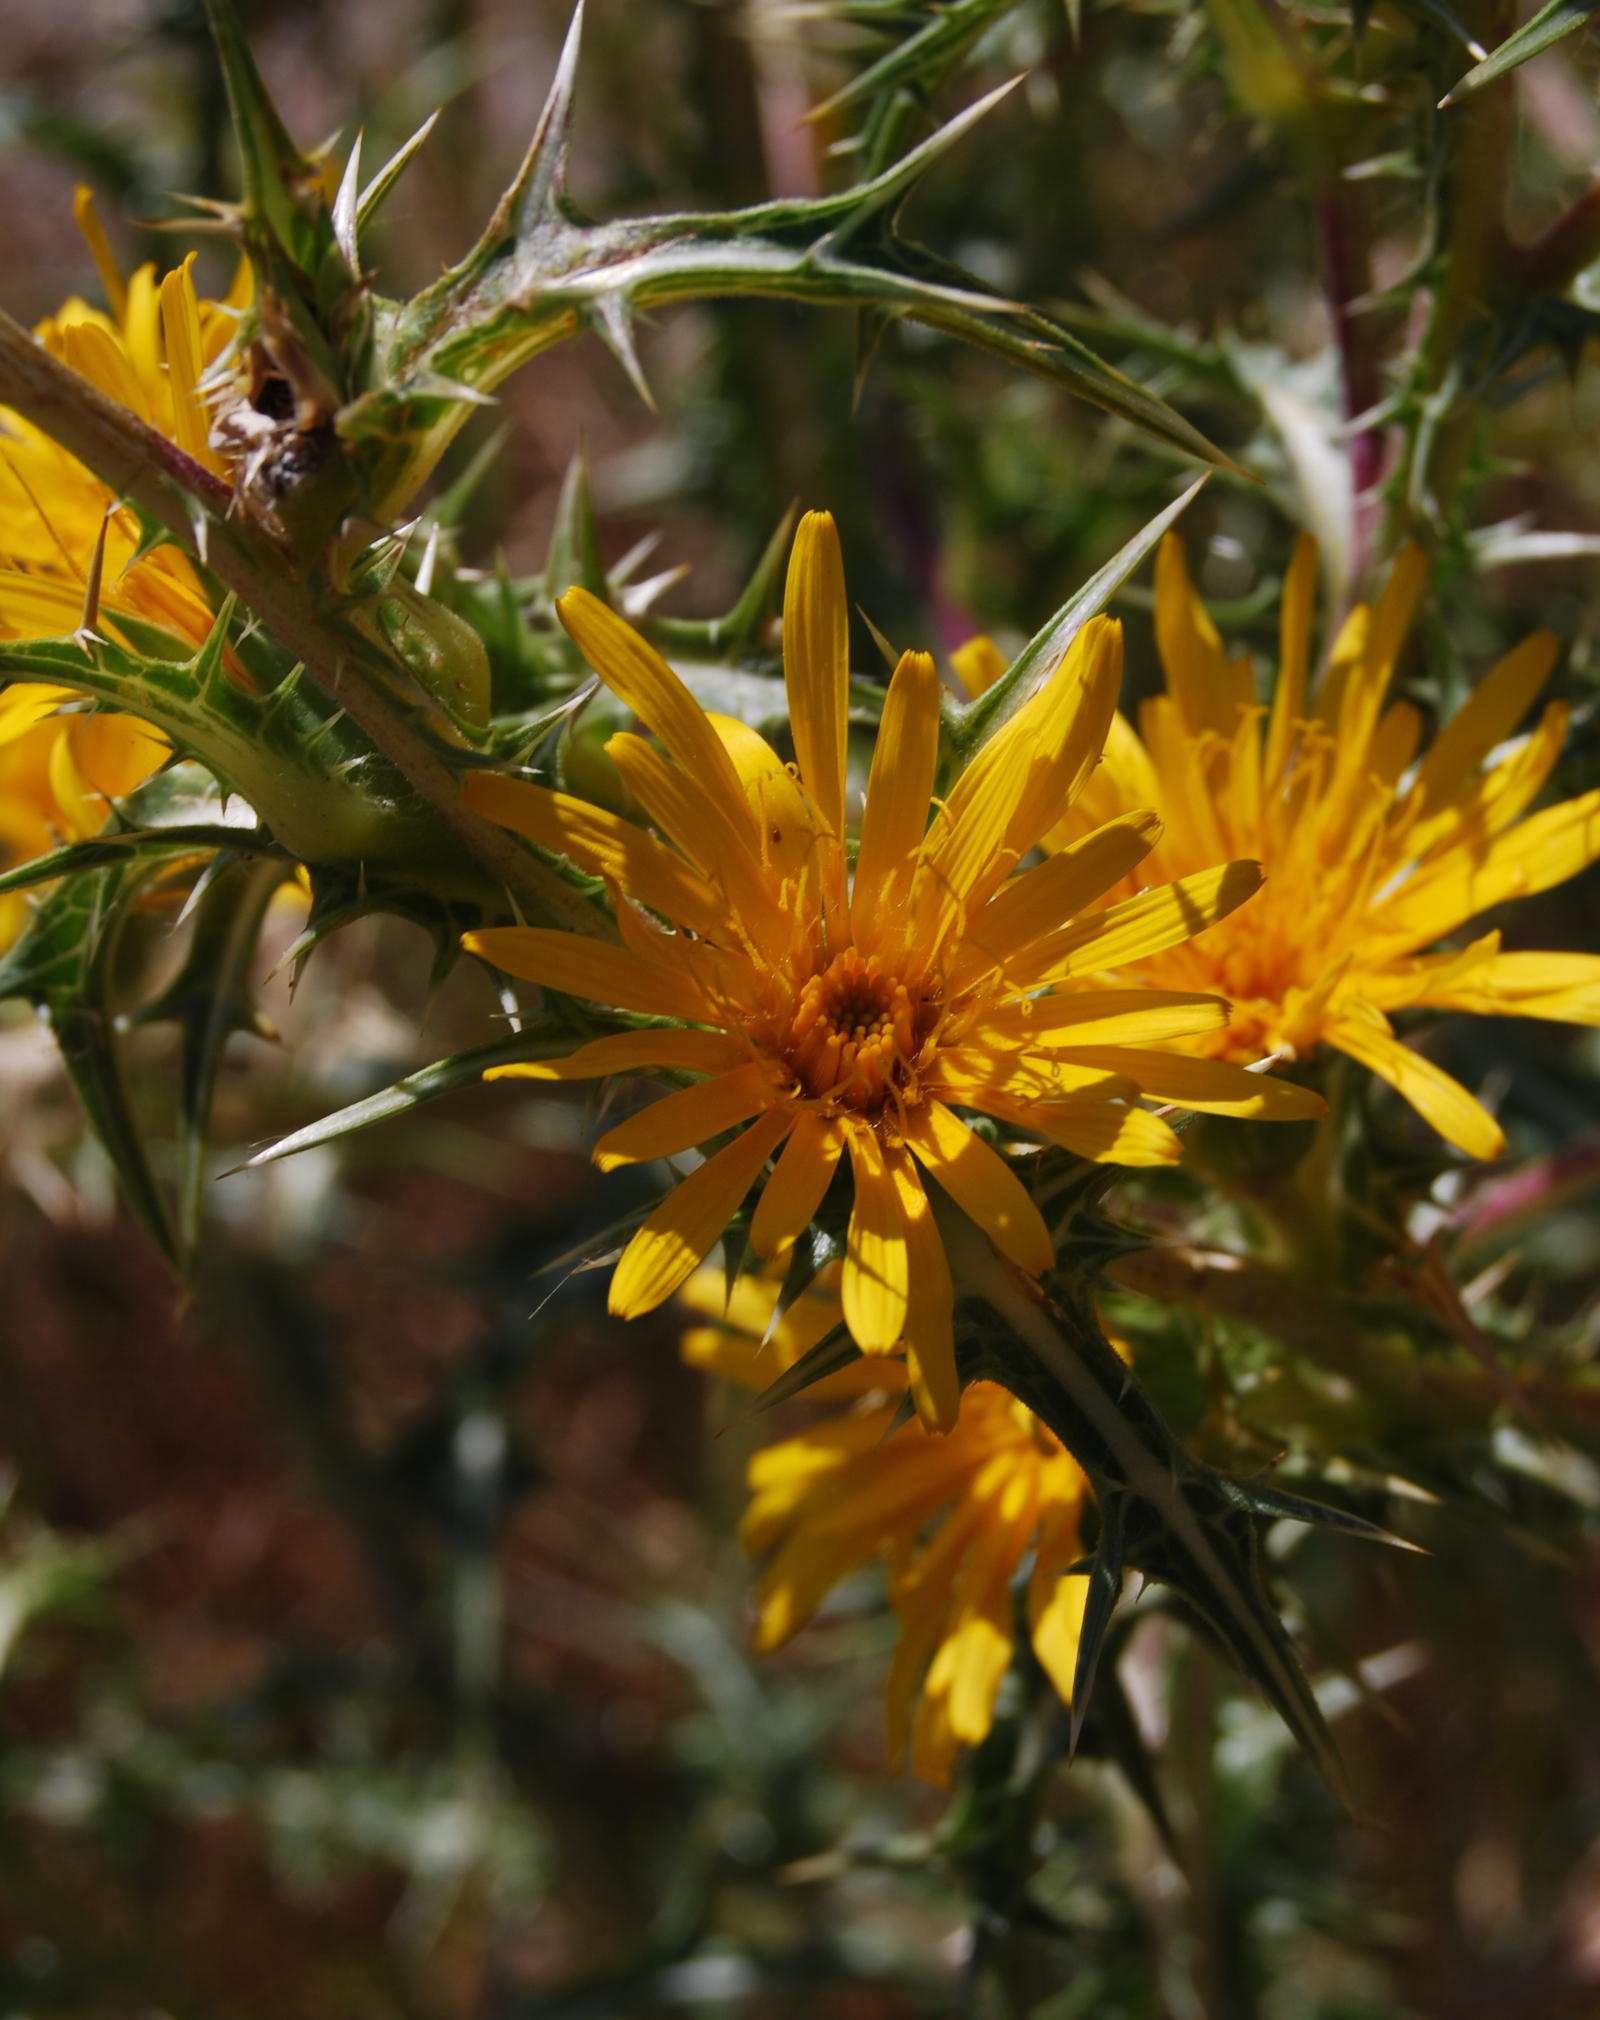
{"points": [[1276, 1505], [538, 272], [209, 999], [1553, 21], [372, 197], [812, 1252], [465, 1069], [835, 1350], [278, 183], [315, 780], [574, 555], [974, 724], [63, 964], [1105, 1589], [77, 857], [1116, 1733], [737, 633], [924, 57], [1162, 1511]]}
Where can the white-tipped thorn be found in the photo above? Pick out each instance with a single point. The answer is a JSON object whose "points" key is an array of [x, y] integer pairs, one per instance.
{"points": [[344, 208], [430, 554]]}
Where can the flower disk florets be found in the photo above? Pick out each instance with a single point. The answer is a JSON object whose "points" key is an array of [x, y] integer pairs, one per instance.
{"points": [[857, 1034]]}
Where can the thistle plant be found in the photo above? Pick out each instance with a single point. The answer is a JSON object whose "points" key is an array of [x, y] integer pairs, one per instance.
{"points": [[994, 1037]]}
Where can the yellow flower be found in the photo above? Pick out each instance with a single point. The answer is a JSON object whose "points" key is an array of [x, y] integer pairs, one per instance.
{"points": [[1370, 857], [148, 355], [57, 773], [955, 1517], [856, 1016]]}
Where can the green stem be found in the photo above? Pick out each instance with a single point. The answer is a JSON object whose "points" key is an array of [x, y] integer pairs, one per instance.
{"points": [[141, 465]]}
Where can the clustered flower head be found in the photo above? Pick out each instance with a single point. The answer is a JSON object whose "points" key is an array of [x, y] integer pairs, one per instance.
{"points": [[954, 1517], [1372, 857], [59, 772], [838, 1016]]}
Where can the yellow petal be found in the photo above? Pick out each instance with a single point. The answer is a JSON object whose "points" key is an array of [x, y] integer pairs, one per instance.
{"points": [[1394, 743], [1057, 1631], [1037, 762], [691, 1218], [1432, 1093], [94, 236], [1186, 639], [1106, 1134], [702, 827], [1209, 1085], [27, 703], [632, 668], [1294, 656], [898, 792], [690, 1116], [81, 808], [1040, 899], [1563, 986], [800, 1178], [1099, 1130], [1498, 703], [1140, 926], [1017, 785], [1063, 732], [982, 1654], [97, 356], [874, 1283], [633, 1052], [1391, 619], [601, 843], [816, 662], [180, 332], [574, 966], [967, 1074], [1544, 850], [114, 753], [816, 671], [1102, 1017], [978, 664], [982, 1184], [141, 332], [930, 1304], [777, 806]]}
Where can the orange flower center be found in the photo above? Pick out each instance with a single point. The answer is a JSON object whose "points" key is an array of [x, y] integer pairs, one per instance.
{"points": [[854, 1028]]}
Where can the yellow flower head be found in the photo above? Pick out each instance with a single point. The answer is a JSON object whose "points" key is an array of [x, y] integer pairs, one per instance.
{"points": [[148, 355], [57, 773], [1370, 857], [954, 1516], [835, 1015]]}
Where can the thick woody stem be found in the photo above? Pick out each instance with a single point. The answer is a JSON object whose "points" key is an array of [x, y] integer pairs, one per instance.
{"points": [[143, 466]]}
